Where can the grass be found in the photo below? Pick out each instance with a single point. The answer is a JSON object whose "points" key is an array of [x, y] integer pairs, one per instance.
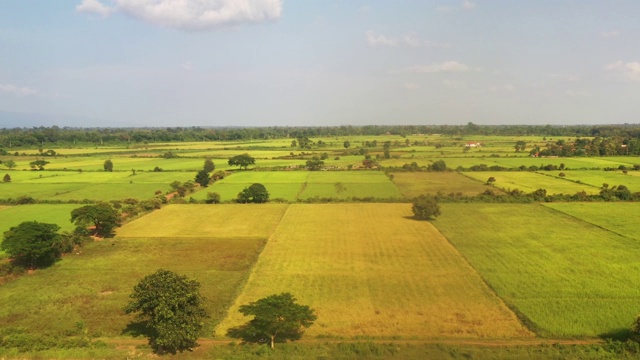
{"points": [[566, 276], [370, 270], [413, 184], [531, 181], [283, 185], [621, 218], [597, 178]]}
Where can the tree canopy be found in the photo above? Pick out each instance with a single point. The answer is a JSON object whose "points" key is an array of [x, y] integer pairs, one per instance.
{"points": [[256, 193], [32, 243], [425, 207], [202, 178], [108, 165], [171, 308], [208, 166], [243, 161], [276, 318], [102, 216]]}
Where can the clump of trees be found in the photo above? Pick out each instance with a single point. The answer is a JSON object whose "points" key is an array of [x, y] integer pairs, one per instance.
{"points": [[315, 163], [171, 309], [276, 318], [6, 178], [256, 193], [425, 207], [38, 164]]}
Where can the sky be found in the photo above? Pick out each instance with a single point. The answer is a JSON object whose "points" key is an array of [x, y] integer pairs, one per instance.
{"points": [[170, 63]]}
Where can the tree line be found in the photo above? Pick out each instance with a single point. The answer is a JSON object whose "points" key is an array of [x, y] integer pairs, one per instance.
{"points": [[38, 136]]}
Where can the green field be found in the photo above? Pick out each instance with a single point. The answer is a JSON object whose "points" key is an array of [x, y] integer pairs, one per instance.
{"points": [[597, 178], [530, 181], [321, 184], [566, 276], [408, 283], [620, 218], [413, 184]]}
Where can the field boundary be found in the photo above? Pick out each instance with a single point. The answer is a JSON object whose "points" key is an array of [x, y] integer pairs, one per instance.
{"points": [[588, 222]]}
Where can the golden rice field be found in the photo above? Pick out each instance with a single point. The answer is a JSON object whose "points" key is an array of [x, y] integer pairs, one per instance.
{"points": [[233, 220], [369, 270]]}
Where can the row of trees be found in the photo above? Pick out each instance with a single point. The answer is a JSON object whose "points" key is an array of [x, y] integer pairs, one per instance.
{"points": [[172, 310], [38, 136]]}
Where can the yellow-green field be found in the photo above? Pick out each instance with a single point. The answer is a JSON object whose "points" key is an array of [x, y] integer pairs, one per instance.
{"points": [[232, 220], [370, 270], [413, 184]]}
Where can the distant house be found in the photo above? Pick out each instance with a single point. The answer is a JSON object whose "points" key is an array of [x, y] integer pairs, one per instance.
{"points": [[472, 144]]}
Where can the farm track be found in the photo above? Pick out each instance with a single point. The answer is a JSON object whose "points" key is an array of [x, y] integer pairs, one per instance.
{"points": [[210, 342]]}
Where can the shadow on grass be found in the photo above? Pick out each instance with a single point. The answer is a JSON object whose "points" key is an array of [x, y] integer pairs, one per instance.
{"points": [[621, 334], [137, 329]]}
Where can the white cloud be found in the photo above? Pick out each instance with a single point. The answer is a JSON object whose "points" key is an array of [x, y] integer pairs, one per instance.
{"points": [[411, 86], [503, 88], [191, 14], [578, 93], [445, 67], [610, 34], [466, 6], [17, 90], [628, 71], [187, 66], [409, 39], [94, 7]]}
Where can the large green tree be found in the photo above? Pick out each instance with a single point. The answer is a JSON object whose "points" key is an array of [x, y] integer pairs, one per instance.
{"points": [[256, 193], [243, 161], [208, 166], [171, 308], [102, 216], [276, 318], [32, 243], [425, 207]]}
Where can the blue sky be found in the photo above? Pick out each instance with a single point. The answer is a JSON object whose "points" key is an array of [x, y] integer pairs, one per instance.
{"points": [[295, 63]]}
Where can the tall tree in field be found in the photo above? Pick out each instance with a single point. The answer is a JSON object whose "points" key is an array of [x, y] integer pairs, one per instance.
{"points": [[209, 166], [108, 165], [256, 193], [276, 318], [102, 216], [6, 178], [243, 161], [346, 144], [202, 178], [10, 164], [425, 207], [32, 243], [172, 309]]}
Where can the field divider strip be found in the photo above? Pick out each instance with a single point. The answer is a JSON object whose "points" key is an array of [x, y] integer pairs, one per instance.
{"points": [[235, 303]]}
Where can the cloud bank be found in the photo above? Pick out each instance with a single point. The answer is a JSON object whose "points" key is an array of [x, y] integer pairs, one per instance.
{"points": [[190, 15], [628, 71], [17, 90], [410, 40]]}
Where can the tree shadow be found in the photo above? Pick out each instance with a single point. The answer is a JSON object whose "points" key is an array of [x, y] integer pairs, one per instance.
{"points": [[620, 334], [137, 329]]}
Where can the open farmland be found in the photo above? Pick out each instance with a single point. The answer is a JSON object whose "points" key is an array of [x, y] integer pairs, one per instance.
{"points": [[360, 184], [283, 185], [216, 245], [96, 186], [619, 218], [530, 181], [413, 184], [568, 277], [597, 178], [399, 276]]}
